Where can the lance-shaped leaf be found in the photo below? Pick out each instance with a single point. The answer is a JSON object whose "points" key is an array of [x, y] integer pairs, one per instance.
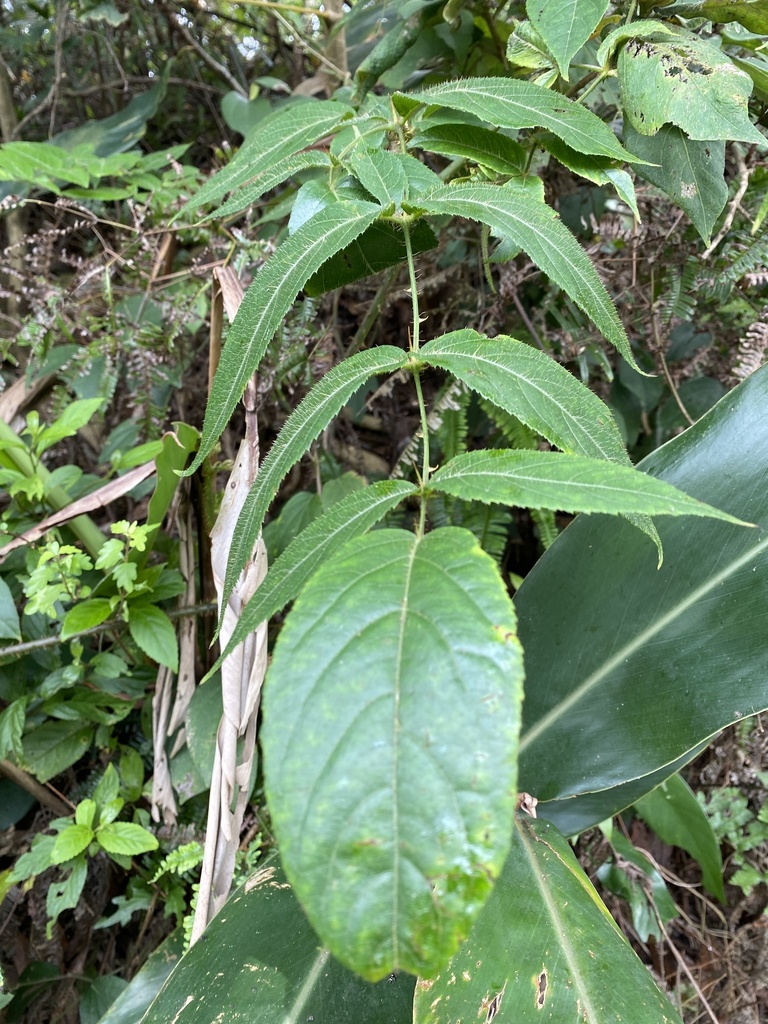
{"points": [[269, 179], [595, 168], [752, 14], [528, 384], [630, 668], [347, 518], [570, 483], [511, 103], [279, 135], [544, 948], [398, 662], [516, 216], [306, 422], [565, 26], [382, 173], [260, 961], [268, 300], [485, 147]]}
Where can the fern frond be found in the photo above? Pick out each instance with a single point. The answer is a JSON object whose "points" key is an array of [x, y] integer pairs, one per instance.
{"points": [[515, 433], [754, 258], [544, 518]]}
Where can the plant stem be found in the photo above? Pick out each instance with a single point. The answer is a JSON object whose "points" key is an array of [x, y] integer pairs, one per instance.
{"points": [[414, 348]]}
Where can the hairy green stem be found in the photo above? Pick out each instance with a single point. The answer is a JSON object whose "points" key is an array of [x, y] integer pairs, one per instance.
{"points": [[414, 348]]}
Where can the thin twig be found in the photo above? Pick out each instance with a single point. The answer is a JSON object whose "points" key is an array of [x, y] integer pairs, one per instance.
{"points": [[734, 203], [60, 806]]}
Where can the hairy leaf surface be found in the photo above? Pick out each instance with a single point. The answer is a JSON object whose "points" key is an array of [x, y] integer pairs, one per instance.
{"points": [[565, 25], [390, 731], [269, 179], [571, 483], [268, 300], [305, 423], [544, 948], [631, 667], [510, 103], [514, 215]]}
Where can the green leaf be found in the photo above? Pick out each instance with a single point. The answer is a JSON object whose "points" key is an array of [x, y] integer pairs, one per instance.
{"points": [[10, 628], [133, 1001], [381, 173], [594, 168], [262, 934], [202, 726], [40, 163], [382, 245], [570, 483], [565, 26], [125, 838], [177, 447], [305, 423], [85, 615], [75, 416], [279, 135], [69, 843], [511, 103], [544, 948], [513, 214], [485, 147], [686, 81], [108, 787], [54, 746], [533, 387], [99, 996], [268, 300], [753, 14], [12, 721], [658, 659], [268, 180], [351, 516], [65, 894], [397, 662], [85, 813], [690, 173], [678, 819], [154, 633]]}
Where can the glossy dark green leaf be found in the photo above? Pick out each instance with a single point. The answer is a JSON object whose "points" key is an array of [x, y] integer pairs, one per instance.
{"points": [[390, 733], [544, 948], [259, 961], [677, 817], [630, 667], [691, 173], [133, 1001]]}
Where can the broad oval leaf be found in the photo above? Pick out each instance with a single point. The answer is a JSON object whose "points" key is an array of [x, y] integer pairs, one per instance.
{"points": [[528, 384], [565, 26], [570, 483], [630, 668], [514, 215], [259, 960], [154, 633], [511, 103], [382, 173], [123, 837], [279, 135], [268, 300], [691, 173], [390, 732], [544, 948], [305, 423], [683, 80], [347, 518], [70, 842]]}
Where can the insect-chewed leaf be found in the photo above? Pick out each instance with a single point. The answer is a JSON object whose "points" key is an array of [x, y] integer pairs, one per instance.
{"points": [[533, 387], [511, 103], [268, 300], [533, 953], [515, 216], [397, 663], [282, 133], [305, 423]]}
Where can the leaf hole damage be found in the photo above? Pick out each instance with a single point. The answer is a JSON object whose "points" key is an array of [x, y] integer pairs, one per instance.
{"points": [[491, 1006], [542, 986]]}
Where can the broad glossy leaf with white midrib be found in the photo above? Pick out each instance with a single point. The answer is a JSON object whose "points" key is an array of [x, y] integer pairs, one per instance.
{"points": [[544, 948], [391, 714], [630, 667], [259, 961]]}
